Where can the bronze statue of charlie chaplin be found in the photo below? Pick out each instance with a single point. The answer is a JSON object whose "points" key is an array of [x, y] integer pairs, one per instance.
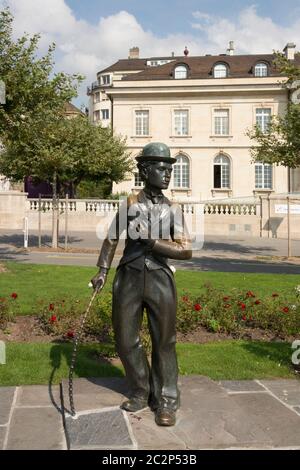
{"points": [[144, 281]]}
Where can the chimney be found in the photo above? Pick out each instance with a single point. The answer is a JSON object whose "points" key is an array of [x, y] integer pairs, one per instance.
{"points": [[230, 49], [134, 53], [289, 51]]}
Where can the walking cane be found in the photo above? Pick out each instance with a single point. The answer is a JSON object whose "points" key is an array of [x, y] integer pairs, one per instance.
{"points": [[75, 346]]}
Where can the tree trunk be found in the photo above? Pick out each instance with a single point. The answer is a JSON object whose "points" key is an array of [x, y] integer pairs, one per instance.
{"points": [[54, 213]]}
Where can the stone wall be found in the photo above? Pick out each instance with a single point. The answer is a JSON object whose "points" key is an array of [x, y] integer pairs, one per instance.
{"points": [[265, 217]]}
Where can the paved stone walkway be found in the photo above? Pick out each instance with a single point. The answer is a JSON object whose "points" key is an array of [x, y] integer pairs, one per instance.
{"points": [[213, 415]]}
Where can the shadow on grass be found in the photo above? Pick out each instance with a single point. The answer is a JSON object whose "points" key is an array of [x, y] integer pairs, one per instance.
{"points": [[90, 363], [279, 353]]}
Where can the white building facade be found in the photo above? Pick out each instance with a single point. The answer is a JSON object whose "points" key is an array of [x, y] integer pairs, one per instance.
{"points": [[201, 107]]}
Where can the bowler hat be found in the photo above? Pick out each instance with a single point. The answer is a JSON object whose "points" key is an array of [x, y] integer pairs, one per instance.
{"points": [[156, 151]]}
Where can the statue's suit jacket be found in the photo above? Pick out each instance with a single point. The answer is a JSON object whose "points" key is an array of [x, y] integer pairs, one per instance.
{"points": [[137, 253]]}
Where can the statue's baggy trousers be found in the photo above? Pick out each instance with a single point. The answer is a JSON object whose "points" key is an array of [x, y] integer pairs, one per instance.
{"points": [[154, 290]]}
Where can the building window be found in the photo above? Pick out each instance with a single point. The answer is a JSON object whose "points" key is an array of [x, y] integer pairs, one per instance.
{"points": [[181, 172], [105, 80], [142, 123], [220, 71], [97, 97], [138, 182], [263, 117], [221, 172], [104, 114], [263, 176], [180, 72], [181, 122], [221, 121], [261, 70], [96, 116]]}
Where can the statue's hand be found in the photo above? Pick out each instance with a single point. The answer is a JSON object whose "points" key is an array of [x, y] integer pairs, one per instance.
{"points": [[99, 280]]}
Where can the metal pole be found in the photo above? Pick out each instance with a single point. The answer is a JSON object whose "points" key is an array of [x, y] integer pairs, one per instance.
{"points": [[40, 221], [66, 221], [25, 232], [289, 228], [261, 217]]}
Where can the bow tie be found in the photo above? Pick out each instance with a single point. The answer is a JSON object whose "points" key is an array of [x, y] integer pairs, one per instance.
{"points": [[155, 198]]}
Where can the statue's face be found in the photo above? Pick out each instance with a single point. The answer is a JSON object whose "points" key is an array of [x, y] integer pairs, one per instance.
{"points": [[158, 175]]}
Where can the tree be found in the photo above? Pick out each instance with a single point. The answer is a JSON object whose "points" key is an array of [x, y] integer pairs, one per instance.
{"points": [[281, 144], [32, 90], [39, 141]]}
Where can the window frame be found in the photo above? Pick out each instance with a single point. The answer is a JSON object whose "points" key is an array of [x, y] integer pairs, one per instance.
{"points": [[137, 180], [182, 175], [103, 112], [106, 79], [263, 128], [264, 176], [221, 134], [259, 64], [176, 70], [142, 110], [222, 176], [96, 115], [226, 68], [180, 110], [97, 97]]}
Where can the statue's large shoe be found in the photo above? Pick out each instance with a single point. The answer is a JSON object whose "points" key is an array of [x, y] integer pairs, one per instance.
{"points": [[165, 416], [134, 404]]}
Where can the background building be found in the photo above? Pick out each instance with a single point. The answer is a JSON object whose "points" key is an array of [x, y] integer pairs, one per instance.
{"points": [[201, 107]]}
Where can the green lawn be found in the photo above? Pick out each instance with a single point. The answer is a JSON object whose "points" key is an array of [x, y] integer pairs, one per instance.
{"points": [[48, 283], [45, 363]]}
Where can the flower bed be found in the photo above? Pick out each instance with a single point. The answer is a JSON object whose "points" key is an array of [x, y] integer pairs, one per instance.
{"points": [[234, 313]]}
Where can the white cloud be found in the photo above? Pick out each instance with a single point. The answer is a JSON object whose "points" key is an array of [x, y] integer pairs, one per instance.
{"points": [[87, 48], [250, 32]]}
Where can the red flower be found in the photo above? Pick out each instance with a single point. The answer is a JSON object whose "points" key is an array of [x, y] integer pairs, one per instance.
{"points": [[197, 307], [227, 306], [285, 309], [244, 318], [226, 298], [185, 298], [250, 318], [243, 306], [257, 302], [51, 307], [275, 295], [70, 334], [53, 318], [14, 295], [250, 294]]}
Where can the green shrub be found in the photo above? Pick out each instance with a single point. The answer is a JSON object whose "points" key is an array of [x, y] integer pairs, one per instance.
{"points": [[227, 312], [8, 309]]}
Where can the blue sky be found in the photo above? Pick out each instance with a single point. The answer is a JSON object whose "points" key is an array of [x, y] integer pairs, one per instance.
{"points": [[163, 16], [92, 34]]}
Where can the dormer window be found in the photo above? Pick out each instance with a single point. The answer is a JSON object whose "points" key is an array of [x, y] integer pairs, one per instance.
{"points": [[261, 70], [180, 72], [220, 71], [105, 80]]}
